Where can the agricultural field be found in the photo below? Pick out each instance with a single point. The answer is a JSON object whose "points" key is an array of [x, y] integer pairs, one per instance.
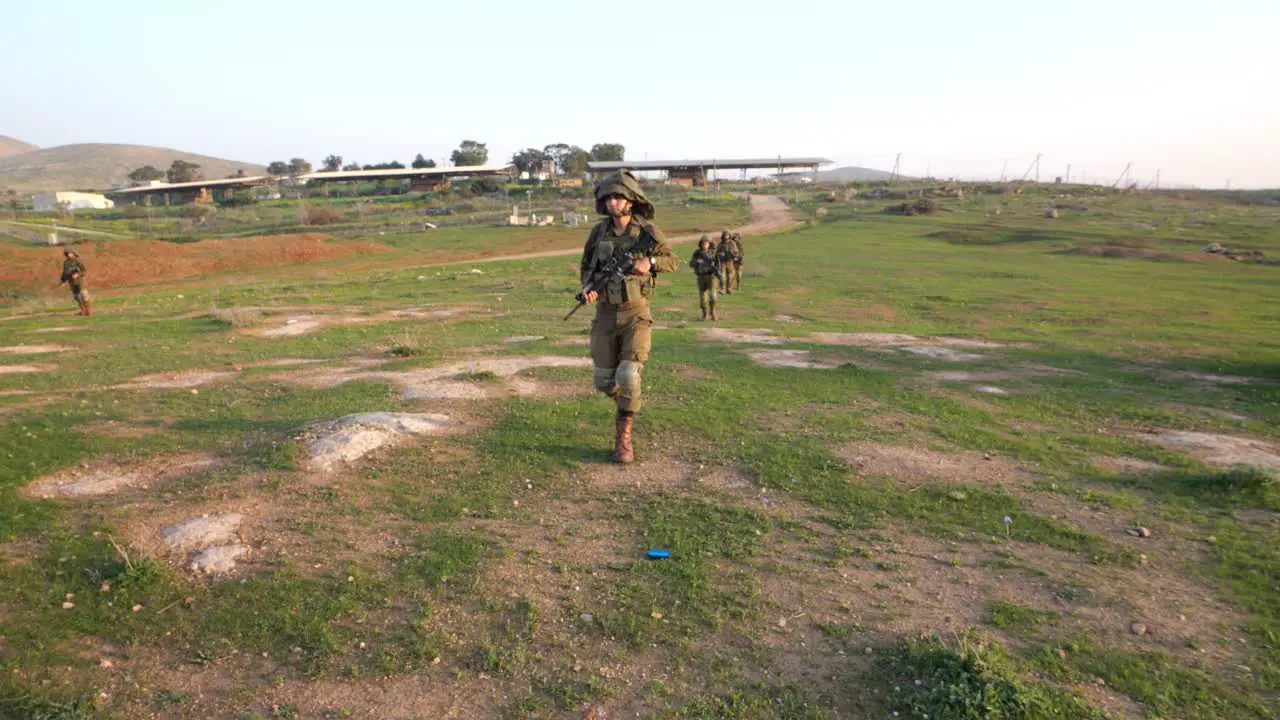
{"points": [[971, 463]]}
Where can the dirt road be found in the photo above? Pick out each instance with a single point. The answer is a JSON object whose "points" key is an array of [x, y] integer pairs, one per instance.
{"points": [[769, 214]]}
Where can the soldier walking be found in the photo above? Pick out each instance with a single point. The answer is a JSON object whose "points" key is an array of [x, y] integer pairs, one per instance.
{"points": [[729, 250], [707, 269], [73, 272], [621, 332]]}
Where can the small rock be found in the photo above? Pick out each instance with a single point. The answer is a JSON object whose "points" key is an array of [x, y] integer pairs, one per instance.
{"points": [[106, 587], [782, 622], [435, 660], [195, 391], [68, 605], [1138, 629], [363, 645], [869, 651], [946, 618], [586, 617], [1140, 532], [655, 615], [105, 663], [136, 608]]}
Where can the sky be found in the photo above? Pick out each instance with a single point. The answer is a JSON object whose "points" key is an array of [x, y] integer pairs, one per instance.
{"points": [[958, 89]]}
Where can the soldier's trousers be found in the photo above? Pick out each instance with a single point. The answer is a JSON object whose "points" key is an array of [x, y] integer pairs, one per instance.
{"points": [[621, 336], [733, 275], [706, 291]]}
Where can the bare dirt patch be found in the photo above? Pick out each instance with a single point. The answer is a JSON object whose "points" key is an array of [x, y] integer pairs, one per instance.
{"points": [[918, 464], [53, 330], [896, 340], [293, 326], [21, 369], [777, 358], [109, 477], [218, 559], [1220, 450], [1124, 465], [202, 531], [754, 336], [990, 390], [1216, 379], [523, 338], [464, 380], [176, 380], [133, 262], [34, 349], [116, 429], [284, 362], [338, 442], [939, 353], [967, 376]]}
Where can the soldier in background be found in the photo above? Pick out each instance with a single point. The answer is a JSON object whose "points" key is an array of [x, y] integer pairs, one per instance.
{"points": [[73, 272], [707, 269], [729, 251]]}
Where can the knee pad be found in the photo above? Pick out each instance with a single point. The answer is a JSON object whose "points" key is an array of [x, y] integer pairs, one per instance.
{"points": [[629, 377]]}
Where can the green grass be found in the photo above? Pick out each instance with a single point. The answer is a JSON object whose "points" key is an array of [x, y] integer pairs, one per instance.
{"points": [[1097, 347], [969, 678]]}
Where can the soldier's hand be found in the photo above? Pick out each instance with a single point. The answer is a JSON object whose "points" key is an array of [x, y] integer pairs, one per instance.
{"points": [[589, 295], [642, 266]]}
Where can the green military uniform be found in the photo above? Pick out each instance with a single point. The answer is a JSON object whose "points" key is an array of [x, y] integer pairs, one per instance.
{"points": [[621, 332], [73, 272], [730, 253], [707, 269]]}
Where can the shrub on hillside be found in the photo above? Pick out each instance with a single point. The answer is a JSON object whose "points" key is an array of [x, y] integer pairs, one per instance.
{"points": [[319, 215]]}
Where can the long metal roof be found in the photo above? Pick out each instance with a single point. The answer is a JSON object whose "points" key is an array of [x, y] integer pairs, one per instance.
{"points": [[713, 163], [166, 187], [409, 172]]}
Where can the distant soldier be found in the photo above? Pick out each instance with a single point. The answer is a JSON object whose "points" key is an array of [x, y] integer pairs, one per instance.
{"points": [[707, 269], [73, 272], [729, 251]]}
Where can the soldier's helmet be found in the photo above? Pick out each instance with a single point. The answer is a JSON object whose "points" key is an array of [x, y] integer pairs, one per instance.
{"points": [[724, 234], [68, 252], [625, 184], [705, 239]]}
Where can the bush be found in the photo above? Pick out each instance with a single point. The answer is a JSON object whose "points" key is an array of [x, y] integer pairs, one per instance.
{"points": [[971, 679], [198, 212], [318, 215]]}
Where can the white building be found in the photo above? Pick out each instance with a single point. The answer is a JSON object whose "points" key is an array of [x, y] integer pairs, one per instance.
{"points": [[44, 202]]}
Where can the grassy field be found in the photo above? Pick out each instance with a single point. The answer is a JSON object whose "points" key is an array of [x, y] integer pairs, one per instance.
{"points": [[905, 474]]}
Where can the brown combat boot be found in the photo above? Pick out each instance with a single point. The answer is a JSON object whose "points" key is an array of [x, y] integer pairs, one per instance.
{"points": [[713, 313], [623, 452], [86, 312], [704, 313]]}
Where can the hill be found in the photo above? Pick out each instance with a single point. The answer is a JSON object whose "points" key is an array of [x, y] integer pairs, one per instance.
{"points": [[98, 165], [10, 146]]}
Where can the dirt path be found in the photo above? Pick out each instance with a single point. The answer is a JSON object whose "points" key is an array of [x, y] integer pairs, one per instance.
{"points": [[769, 214], [66, 228]]}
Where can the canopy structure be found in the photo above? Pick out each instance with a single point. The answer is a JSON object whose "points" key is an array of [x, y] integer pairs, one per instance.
{"points": [[694, 172]]}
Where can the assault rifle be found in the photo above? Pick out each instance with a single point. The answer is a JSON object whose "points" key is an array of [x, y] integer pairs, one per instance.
{"points": [[615, 267]]}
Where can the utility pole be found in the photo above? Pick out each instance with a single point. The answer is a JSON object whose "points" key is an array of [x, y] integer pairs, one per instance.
{"points": [[897, 161], [1068, 180], [1034, 164], [1124, 174], [1003, 168], [1157, 178]]}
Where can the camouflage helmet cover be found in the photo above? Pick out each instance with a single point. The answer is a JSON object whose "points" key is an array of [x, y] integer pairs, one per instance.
{"points": [[625, 184]]}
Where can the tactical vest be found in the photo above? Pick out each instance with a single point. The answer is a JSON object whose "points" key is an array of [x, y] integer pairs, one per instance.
{"points": [[607, 245]]}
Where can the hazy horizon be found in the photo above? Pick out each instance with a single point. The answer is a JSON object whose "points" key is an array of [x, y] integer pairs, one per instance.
{"points": [[960, 90]]}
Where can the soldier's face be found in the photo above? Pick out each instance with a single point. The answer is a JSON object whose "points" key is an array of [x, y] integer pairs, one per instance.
{"points": [[617, 206]]}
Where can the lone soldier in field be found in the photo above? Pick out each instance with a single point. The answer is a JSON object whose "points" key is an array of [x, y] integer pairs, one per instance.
{"points": [[621, 331], [729, 250], [707, 268], [73, 274]]}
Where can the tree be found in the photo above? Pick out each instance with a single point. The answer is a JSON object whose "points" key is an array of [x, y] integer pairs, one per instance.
{"points": [[485, 186], [182, 171], [570, 159], [351, 166], [470, 152], [278, 167], [237, 174], [574, 162], [298, 166], [421, 162], [393, 165], [608, 151], [529, 160], [146, 173], [332, 163]]}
